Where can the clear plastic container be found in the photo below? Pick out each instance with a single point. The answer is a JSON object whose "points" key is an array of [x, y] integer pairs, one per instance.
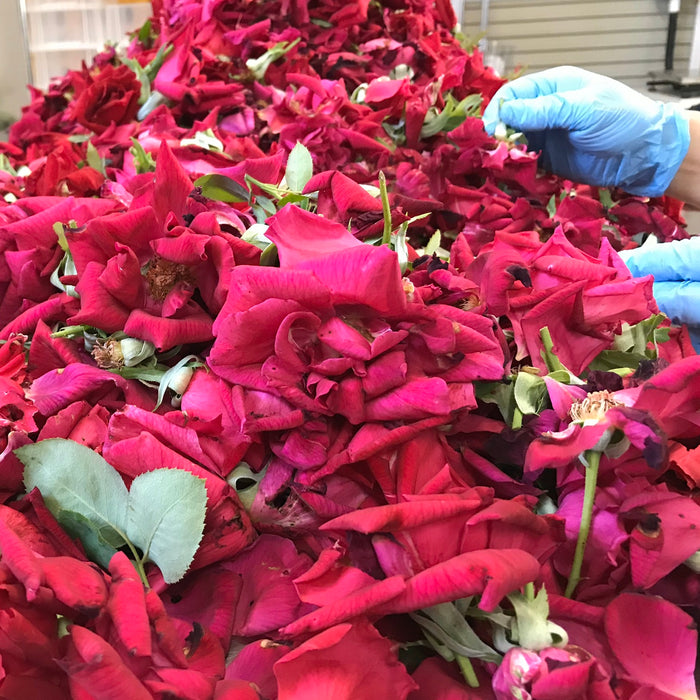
{"points": [[50, 64], [122, 18], [52, 30], [62, 33]]}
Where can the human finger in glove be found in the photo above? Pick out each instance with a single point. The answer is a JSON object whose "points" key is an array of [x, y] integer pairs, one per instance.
{"points": [[676, 270], [593, 129]]}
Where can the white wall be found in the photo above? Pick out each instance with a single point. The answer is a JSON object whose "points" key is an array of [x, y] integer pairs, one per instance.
{"points": [[624, 39], [14, 68]]}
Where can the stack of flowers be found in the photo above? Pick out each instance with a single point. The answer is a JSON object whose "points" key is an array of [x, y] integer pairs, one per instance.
{"points": [[311, 389]]}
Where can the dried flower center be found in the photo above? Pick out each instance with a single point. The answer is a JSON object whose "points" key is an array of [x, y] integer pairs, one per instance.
{"points": [[471, 302], [594, 406], [108, 354], [162, 275]]}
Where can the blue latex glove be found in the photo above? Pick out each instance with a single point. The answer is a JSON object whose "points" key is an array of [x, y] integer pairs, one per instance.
{"points": [[676, 270], [593, 129]]}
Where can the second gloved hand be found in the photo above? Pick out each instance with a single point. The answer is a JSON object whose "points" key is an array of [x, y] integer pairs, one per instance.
{"points": [[593, 129], [676, 270]]}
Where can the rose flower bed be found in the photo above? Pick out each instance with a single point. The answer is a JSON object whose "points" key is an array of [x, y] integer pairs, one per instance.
{"points": [[311, 389]]}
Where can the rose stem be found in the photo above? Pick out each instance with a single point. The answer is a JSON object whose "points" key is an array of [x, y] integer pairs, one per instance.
{"points": [[465, 666], [386, 210], [593, 459]]}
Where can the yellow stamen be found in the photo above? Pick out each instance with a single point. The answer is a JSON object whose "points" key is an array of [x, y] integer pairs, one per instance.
{"points": [[594, 406]]}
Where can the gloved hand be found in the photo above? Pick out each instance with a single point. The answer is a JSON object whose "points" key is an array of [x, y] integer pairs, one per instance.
{"points": [[593, 129], [676, 270]]}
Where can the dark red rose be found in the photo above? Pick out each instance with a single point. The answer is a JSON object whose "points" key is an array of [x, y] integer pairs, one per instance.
{"points": [[112, 97]]}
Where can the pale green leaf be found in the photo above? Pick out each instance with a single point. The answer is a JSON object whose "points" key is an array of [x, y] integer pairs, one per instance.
{"points": [[206, 140], [433, 244], [300, 168], [529, 392], [168, 377], [100, 543], [258, 66], [143, 161], [93, 158], [531, 628], [166, 518], [268, 188], [401, 247], [155, 99], [256, 234], [71, 477]]}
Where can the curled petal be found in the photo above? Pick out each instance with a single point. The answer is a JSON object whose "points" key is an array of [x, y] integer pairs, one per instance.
{"points": [[93, 666], [489, 573], [127, 606]]}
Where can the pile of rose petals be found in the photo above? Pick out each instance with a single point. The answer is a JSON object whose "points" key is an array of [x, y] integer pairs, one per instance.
{"points": [[271, 245]]}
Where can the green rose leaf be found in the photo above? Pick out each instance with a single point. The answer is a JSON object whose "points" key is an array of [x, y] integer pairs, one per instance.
{"points": [[71, 477], [162, 515], [100, 543], [166, 518], [221, 188], [530, 391], [300, 168]]}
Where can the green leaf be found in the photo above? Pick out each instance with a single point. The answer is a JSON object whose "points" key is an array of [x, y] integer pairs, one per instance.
{"points": [[530, 392], [609, 360], [256, 235], [531, 628], [144, 35], [300, 167], [100, 543], [258, 66], [151, 70], [79, 138], [396, 132], [401, 247], [221, 188], [71, 477], [292, 198], [263, 209], [166, 518], [142, 160], [60, 231], [93, 158], [498, 393], [266, 187], [5, 165], [155, 99], [446, 625], [433, 244], [141, 76], [452, 115], [163, 515], [270, 256], [605, 197]]}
